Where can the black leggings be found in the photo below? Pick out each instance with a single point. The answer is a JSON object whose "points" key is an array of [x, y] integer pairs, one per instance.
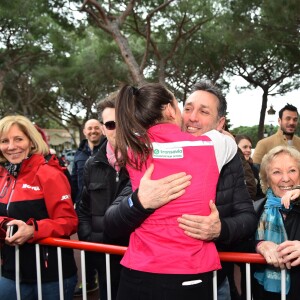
{"points": [[135, 285]]}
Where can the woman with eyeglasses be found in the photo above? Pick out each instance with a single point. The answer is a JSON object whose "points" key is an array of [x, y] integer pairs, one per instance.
{"points": [[161, 262], [35, 203], [103, 180]]}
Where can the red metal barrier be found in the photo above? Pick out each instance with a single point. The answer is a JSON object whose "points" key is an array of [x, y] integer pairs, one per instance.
{"points": [[113, 249]]}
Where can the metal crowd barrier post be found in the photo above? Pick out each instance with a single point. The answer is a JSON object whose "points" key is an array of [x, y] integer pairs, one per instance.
{"points": [[108, 276], [83, 274], [283, 284], [248, 281], [38, 271], [17, 257], [215, 285], [60, 274]]}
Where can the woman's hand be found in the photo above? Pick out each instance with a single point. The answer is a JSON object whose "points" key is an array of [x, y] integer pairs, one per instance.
{"points": [[289, 196], [289, 251], [23, 234], [269, 251]]}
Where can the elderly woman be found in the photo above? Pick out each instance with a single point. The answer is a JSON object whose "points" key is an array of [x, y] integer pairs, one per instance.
{"points": [[35, 199], [279, 222]]}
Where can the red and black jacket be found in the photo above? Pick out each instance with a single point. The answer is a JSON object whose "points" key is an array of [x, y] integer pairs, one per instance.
{"points": [[39, 195]]}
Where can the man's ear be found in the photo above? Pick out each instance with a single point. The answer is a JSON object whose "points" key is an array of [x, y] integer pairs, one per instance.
{"points": [[102, 129], [221, 123]]}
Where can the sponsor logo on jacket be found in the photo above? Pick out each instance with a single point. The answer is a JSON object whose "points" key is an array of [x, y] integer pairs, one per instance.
{"points": [[27, 186], [65, 197]]}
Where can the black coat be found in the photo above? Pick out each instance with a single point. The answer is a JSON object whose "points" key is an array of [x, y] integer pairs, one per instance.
{"points": [[101, 185], [292, 226], [82, 154]]}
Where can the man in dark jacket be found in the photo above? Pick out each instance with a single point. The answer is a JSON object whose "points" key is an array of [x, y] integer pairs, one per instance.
{"points": [[232, 219], [88, 146], [103, 180]]}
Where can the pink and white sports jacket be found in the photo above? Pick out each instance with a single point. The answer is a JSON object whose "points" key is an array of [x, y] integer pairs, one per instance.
{"points": [[159, 245]]}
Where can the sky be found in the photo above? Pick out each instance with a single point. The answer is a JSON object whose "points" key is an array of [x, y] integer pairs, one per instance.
{"points": [[244, 108]]}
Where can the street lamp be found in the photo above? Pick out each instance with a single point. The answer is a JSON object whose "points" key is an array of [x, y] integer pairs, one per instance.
{"points": [[271, 111]]}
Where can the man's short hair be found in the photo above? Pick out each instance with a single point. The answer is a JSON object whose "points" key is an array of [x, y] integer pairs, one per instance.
{"points": [[288, 107], [108, 102], [208, 86]]}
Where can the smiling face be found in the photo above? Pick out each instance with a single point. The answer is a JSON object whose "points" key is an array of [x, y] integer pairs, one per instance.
{"points": [[283, 173], [288, 122], [15, 145], [245, 146], [200, 113], [92, 131]]}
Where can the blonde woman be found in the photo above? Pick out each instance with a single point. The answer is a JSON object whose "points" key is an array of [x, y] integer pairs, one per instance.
{"points": [[35, 201]]}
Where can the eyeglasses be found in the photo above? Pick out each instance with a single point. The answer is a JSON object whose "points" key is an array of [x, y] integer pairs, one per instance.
{"points": [[110, 125]]}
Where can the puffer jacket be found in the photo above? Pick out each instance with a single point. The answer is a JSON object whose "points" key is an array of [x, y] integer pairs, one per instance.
{"points": [[101, 185]]}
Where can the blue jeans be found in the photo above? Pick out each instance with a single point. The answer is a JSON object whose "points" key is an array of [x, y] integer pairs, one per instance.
{"points": [[223, 291], [29, 291]]}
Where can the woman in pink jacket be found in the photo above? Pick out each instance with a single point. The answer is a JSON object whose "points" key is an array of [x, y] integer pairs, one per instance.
{"points": [[161, 261]]}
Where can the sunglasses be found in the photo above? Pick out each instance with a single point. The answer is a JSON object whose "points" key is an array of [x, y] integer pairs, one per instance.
{"points": [[110, 125]]}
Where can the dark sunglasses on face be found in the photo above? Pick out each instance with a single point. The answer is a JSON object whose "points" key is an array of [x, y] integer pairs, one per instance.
{"points": [[110, 125]]}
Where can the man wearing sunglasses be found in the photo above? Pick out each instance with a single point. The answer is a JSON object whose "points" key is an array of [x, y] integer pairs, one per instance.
{"points": [[103, 180]]}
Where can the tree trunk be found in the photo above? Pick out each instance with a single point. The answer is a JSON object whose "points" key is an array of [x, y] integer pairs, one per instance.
{"points": [[2, 75], [261, 125], [134, 69]]}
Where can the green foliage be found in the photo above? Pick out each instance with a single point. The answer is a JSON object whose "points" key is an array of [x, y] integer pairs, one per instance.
{"points": [[56, 63], [250, 131]]}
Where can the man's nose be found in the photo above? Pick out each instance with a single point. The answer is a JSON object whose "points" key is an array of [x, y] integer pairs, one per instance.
{"points": [[194, 116]]}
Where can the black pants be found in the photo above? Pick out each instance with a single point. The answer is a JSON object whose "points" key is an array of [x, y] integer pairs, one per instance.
{"points": [[135, 285]]}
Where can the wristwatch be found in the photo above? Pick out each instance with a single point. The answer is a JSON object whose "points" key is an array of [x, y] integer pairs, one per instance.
{"points": [[296, 187]]}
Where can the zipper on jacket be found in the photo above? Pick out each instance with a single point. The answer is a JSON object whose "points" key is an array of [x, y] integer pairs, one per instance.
{"points": [[5, 187], [117, 169], [11, 194]]}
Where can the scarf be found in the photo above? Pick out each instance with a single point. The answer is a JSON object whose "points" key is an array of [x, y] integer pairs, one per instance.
{"points": [[271, 228], [13, 169], [110, 154]]}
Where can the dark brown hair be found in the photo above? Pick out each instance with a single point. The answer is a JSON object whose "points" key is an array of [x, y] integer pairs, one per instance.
{"points": [[137, 109]]}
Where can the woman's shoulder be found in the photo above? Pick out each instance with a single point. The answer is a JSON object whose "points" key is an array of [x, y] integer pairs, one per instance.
{"points": [[50, 166]]}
